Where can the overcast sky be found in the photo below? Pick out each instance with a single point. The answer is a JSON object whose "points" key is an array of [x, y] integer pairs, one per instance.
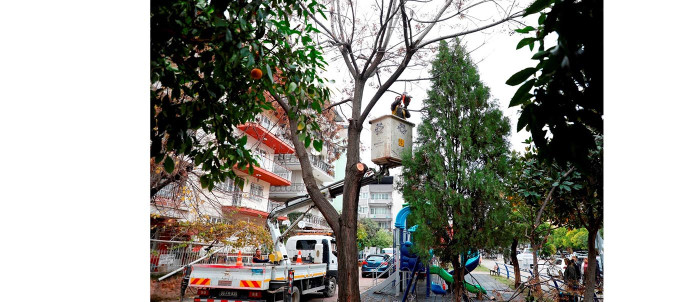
{"points": [[497, 60]]}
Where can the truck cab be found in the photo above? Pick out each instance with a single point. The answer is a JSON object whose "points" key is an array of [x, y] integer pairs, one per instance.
{"points": [[316, 249]]}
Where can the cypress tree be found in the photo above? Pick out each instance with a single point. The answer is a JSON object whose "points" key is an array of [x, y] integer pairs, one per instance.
{"points": [[454, 180]]}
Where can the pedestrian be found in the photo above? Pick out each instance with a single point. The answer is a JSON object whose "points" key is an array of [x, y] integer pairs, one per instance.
{"points": [[575, 264], [258, 257], [585, 267], [570, 273]]}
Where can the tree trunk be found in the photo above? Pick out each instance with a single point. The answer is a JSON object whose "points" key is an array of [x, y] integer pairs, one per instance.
{"points": [[535, 270], [514, 260], [589, 281], [348, 274], [458, 277]]}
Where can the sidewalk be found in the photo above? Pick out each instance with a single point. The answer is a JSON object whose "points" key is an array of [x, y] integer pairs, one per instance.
{"points": [[385, 291]]}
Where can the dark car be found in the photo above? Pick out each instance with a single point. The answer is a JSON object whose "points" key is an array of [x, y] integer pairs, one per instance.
{"points": [[376, 264]]}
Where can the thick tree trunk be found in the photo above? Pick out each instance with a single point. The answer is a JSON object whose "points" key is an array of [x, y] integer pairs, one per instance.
{"points": [[535, 269], [348, 274], [589, 281], [458, 277], [514, 260]]}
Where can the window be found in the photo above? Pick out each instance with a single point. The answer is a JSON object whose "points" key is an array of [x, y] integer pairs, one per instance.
{"points": [[380, 196], [378, 210], [256, 192], [364, 195], [306, 245]]}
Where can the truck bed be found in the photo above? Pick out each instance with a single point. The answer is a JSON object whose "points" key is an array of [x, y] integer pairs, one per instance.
{"points": [[251, 276]]}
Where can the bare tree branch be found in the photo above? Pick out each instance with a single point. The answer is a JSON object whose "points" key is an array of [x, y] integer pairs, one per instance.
{"points": [[519, 14]]}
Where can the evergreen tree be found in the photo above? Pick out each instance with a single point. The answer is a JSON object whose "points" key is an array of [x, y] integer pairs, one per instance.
{"points": [[454, 181]]}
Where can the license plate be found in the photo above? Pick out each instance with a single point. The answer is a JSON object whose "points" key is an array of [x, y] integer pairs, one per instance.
{"points": [[229, 293]]}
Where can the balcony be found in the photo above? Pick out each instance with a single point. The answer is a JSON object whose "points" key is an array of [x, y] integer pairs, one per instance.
{"points": [[270, 171], [322, 170], [286, 192], [383, 202], [386, 216], [270, 135], [249, 204]]}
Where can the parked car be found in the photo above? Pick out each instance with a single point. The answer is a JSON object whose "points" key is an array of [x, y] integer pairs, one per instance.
{"points": [[388, 251], [557, 267], [376, 264]]}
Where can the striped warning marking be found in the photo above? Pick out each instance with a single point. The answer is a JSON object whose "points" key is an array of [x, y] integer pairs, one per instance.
{"points": [[250, 283], [200, 281]]}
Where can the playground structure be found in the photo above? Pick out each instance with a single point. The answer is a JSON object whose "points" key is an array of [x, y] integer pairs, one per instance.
{"points": [[404, 281]]}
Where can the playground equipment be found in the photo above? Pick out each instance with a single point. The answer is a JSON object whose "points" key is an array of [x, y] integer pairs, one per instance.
{"points": [[410, 262]]}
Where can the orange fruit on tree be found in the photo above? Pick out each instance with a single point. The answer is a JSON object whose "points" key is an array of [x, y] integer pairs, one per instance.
{"points": [[256, 73]]}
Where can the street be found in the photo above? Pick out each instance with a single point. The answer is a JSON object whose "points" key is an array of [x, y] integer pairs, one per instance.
{"points": [[365, 284]]}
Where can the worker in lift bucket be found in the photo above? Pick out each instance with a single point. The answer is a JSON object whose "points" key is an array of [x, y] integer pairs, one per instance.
{"points": [[398, 110], [258, 257]]}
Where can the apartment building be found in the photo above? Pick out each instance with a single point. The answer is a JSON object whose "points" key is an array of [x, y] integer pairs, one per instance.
{"points": [[275, 180], [376, 202]]}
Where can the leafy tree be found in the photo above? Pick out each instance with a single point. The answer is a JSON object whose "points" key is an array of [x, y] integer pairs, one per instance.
{"points": [[533, 186], [211, 64], [377, 46], [382, 239], [362, 237], [567, 99], [584, 208], [453, 182]]}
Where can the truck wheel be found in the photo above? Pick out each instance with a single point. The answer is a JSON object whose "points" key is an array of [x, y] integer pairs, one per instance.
{"points": [[330, 288], [296, 295]]}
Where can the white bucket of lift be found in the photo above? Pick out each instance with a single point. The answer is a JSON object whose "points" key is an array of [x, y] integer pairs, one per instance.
{"points": [[391, 136]]}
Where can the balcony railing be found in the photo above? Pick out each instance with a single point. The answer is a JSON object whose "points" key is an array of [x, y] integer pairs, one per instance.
{"points": [[316, 161], [323, 165], [380, 215], [255, 202], [297, 187], [274, 128], [380, 201], [287, 159], [269, 164]]}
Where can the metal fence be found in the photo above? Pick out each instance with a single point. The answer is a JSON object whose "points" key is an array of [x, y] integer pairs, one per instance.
{"points": [[167, 256]]}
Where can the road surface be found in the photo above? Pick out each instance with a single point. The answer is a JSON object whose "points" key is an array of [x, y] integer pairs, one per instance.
{"points": [[365, 284]]}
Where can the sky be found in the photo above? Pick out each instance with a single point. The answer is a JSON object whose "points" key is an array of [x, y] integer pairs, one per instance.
{"points": [[497, 60], [496, 57]]}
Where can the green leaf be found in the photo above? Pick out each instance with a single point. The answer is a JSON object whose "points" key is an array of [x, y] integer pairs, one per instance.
{"points": [[521, 76], [525, 41], [541, 19], [169, 165], [556, 183], [269, 73], [307, 141], [292, 86], [522, 94], [540, 54], [316, 107], [204, 180], [537, 6], [525, 30], [524, 118], [318, 145]]}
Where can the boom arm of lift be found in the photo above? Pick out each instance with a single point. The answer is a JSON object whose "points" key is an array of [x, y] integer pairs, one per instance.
{"points": [[304, 201]]}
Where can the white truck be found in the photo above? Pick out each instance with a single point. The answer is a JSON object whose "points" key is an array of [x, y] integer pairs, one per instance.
{"points": [[283, 279]]}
